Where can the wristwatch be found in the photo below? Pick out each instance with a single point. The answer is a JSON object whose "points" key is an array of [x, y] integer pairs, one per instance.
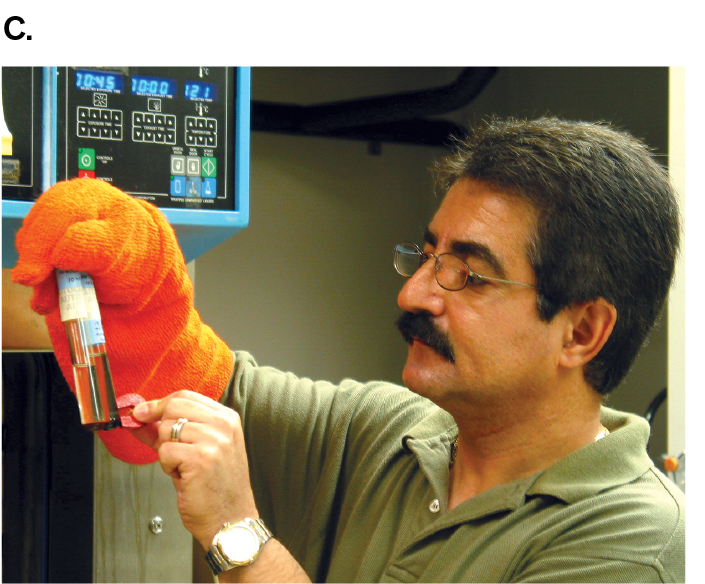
{"points": [[237, 544]]}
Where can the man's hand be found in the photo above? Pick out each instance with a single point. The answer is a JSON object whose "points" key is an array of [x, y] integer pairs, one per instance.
{"points": [[211, 474], [208, 464]]}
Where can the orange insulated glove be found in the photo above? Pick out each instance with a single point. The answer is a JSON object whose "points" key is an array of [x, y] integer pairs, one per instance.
{"points": [[155, 339]]}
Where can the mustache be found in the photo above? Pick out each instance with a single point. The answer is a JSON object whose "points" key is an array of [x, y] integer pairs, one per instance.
{"points": [[420, 326]]}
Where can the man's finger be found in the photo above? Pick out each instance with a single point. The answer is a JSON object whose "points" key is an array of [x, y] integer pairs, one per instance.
{"points": [[149, 434], [152, 411]]}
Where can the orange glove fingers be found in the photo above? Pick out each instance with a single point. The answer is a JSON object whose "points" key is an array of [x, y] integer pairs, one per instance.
{"points": [[87, 225], [46, 296]]}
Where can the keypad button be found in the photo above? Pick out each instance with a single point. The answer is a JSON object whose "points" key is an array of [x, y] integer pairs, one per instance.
{"points": [[201, 132], [178, 186], [178, 165], [86, 158], [99, 123], [210, 188], [209, 166], [193, 187], [193, 166]]}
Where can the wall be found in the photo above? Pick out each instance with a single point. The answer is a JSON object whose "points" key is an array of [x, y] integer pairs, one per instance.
{"points": [[309, 286]]}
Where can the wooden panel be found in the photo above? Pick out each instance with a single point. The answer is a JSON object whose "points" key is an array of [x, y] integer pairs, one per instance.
{"points": [[22, 328], [127, 498]]}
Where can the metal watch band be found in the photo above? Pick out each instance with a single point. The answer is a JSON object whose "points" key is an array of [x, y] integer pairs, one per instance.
{"points": [[216, 562], [261, 530], [219, 563]]}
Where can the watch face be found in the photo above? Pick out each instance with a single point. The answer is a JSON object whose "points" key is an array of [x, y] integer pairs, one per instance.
{"points": [[239, 544]]}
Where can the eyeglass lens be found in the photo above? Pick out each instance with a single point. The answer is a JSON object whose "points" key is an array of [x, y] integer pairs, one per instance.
{"points": [[407, 259], [450, 271]]}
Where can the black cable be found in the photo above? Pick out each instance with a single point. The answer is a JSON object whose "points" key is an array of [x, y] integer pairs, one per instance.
{"points": [[655, 404]]}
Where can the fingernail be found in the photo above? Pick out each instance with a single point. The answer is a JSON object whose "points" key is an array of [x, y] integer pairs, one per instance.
{"points": [[140, 411]]}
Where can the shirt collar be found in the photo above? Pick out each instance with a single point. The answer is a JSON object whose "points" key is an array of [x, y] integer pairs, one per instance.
{"points": [[617, 459]]}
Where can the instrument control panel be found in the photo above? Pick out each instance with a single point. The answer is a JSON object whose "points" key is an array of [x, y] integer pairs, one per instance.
{"points": [[163, 134]]}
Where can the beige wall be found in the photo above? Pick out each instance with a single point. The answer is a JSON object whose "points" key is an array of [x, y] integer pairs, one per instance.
{"points": [[309, 285]]}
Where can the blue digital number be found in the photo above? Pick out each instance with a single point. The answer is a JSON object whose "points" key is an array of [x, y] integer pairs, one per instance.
{"points": [[192, 91], [91, 81], [153, 86], [200, 91]]}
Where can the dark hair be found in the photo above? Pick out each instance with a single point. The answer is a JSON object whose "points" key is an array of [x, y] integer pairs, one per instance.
{"points": [[608, 222]]}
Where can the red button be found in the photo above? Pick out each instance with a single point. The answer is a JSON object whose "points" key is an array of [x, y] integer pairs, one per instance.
{"points": [[86, 174]]}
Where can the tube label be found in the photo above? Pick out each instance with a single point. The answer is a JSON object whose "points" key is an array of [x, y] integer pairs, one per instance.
{"points": [[71, 297], [95, 325]]}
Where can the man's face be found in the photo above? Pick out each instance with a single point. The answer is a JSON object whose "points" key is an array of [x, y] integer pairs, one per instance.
{"points": [[501, 349]]}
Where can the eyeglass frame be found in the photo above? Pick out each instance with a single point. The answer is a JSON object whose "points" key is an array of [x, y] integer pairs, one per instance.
{"points": [[423, 258]]}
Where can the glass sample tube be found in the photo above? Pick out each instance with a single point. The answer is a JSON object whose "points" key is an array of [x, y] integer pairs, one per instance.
{"points": [[91, 372]]}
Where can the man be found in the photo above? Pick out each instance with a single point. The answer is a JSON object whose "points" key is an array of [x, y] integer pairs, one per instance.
{"points": [[542, 272]]}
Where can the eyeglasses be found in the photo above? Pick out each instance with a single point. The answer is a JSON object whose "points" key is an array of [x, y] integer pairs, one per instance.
{"points": [[451, 272]]}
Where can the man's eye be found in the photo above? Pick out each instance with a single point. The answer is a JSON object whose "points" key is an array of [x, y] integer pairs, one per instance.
{"points": [[475, 280]]}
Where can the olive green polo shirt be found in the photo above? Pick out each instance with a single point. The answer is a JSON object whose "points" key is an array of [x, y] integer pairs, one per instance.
{"points": [[353, 480]]}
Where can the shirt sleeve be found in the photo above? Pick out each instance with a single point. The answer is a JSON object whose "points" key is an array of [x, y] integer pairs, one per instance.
{"points": [[288, 423], [583, 569], [632, 541], [303, 439]]}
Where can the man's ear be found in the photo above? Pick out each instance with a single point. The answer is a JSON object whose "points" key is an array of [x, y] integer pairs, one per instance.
{"points": [[588, 327]]}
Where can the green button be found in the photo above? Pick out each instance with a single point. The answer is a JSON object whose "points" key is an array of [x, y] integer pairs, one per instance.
{"points": [[86, 159], [209, 167]]}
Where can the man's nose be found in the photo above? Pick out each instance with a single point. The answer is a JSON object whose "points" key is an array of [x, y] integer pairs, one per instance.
{"points": [[422, 292]]}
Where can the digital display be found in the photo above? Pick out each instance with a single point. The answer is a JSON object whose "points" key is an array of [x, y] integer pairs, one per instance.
{"points": [[153, 86], [100, 81], [201, 91]]}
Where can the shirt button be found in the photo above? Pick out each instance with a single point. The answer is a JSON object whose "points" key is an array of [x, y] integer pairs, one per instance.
{"points": [[435, 506]]}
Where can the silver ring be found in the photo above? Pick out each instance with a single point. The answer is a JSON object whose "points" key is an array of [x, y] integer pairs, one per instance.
{"points": [[176, 429]]}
